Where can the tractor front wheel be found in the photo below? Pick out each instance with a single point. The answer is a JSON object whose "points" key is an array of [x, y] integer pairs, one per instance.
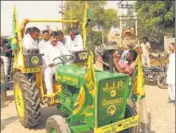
{"points": [[57, 124], [27, 100]]}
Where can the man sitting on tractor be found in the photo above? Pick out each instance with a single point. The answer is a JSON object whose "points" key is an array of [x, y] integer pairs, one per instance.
{"points": [[42, 43], [27, 30], [128, 66], [30, 40], [54, 49], [61, 37], [74, 41]]}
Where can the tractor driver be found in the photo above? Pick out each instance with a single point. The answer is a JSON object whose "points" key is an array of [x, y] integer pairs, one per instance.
{"points": [[74, 41], [30, 40], [54, 49], [128, 66]]}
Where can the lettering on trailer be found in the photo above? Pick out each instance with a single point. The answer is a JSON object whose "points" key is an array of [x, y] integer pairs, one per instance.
{"points": [[30, 70], [119, 126], [106, 102], [67, 78], [113, 86]]}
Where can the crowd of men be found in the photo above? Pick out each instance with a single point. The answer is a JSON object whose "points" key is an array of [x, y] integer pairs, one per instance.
{"points": [[52, 45], [57, 44]]}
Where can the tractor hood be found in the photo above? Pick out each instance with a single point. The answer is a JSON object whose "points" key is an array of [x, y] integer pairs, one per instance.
{"points": [[74, 75], [112, 91]]}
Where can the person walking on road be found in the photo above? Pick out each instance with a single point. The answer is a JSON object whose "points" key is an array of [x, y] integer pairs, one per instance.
{"points": [[170, 80], [145, 52]]}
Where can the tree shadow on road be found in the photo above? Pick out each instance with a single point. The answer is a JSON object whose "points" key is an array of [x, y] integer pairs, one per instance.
{"points": [[8, 99], [7, 121]]}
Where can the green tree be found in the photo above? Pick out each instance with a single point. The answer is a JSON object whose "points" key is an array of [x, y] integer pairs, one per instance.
{"points": [[155, 18], [101, 16]]}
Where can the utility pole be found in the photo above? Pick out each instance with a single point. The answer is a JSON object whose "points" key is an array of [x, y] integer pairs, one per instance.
{"points": [[130, 8], [61, 6]]}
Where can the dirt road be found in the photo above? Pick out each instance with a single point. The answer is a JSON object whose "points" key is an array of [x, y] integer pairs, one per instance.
{"points": [[161, 114]]}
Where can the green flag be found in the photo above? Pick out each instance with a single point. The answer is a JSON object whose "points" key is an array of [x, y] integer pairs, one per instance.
{"points": [[13, 39], [89, 13]]}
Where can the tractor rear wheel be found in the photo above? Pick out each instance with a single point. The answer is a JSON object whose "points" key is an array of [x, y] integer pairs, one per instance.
{"points": [[130, 112], [27, 100], [57, 124]]}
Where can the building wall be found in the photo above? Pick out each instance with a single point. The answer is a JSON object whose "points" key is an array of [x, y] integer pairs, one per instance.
{"points": [[167, 41]]}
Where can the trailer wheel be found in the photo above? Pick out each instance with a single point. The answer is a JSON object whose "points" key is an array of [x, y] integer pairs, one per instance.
{"points": [[57, 124], [27, 100]]}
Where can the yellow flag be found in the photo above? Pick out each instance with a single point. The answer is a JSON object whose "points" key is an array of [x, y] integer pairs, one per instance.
{"points": [[90, 75], [139, 88]]}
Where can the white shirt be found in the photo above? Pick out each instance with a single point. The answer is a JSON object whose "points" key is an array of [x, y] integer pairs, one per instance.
{"points": [[29, 43], [145, 49], [171, 70], [74, 45], [52, 52], [124, 54], [42, 45]]}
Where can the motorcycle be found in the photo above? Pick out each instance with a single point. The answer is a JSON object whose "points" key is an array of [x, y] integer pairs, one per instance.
{"points": [[156, 75]]}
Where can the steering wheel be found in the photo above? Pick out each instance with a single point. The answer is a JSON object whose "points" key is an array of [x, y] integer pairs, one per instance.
{"points": [[65, 59]]}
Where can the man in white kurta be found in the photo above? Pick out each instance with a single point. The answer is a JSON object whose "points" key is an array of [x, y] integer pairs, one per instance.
{"points": [[54, 49], [170, 80], [43, 43], [74, 41], [145, 52], [30, 39]]}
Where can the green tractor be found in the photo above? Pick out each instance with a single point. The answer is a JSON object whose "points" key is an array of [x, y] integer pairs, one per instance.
{"points": [[93, 101]]}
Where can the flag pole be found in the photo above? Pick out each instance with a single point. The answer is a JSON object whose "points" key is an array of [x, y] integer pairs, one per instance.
{"points": [[84, 23]]}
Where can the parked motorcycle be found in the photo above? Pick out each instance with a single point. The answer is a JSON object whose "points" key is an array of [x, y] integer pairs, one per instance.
{"points": [[156, 75]]}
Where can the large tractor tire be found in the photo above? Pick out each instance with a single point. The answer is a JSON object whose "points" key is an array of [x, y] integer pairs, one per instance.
{"points": [[57, 124], [27, 100], [131, 111]]}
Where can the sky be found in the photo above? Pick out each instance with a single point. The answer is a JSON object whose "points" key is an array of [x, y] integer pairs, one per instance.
{"points": [[34, 10]]}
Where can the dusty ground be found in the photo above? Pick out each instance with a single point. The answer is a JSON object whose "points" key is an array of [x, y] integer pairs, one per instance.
{"points": [[161, 114]]}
